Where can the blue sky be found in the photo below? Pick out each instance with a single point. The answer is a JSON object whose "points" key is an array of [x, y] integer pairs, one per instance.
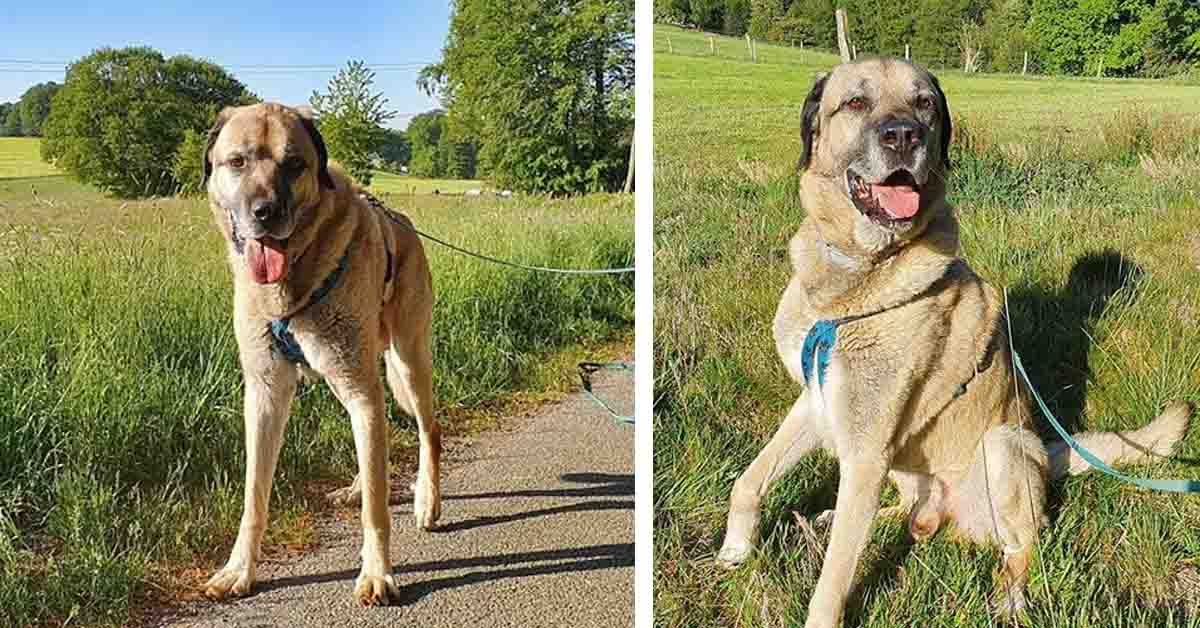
{"points": [[233, 34]]}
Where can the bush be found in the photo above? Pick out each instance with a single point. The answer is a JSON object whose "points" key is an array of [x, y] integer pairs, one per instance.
{"points": [[187, 167], [119, 118]]}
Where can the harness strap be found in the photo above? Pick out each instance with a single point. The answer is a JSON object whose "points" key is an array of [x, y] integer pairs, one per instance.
{"points": [[283, 342]]}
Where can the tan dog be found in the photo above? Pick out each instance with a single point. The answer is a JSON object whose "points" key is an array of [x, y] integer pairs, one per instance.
{"points": [[325, 279], [907, 371]]}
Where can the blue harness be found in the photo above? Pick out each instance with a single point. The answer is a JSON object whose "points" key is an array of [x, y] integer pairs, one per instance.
{"points": [[283, 342], [819, 342]]}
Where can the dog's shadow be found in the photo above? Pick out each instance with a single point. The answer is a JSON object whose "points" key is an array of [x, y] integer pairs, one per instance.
{"points": [[1052, 332], [606, 486]]}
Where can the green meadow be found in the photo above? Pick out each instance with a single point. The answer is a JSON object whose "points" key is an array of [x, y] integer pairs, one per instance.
{"points": [[1080, 196], [121, 455]]}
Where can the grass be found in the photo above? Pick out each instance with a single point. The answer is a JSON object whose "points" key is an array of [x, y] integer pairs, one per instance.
{"points": [[1080, 196], [387, 182], [120, 393], [20, 158]]}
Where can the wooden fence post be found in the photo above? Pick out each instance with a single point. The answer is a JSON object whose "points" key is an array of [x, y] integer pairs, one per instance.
{"points": [[712, 47], [629, 173], [1025, 66], [854, 51], [843, 47], [907, 54]]}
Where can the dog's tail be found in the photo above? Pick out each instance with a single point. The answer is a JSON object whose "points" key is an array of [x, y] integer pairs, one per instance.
{"points": [[1158, 438]]}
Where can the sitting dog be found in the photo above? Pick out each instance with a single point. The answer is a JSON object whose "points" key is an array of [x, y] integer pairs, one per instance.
{"points": [[903, 350]]}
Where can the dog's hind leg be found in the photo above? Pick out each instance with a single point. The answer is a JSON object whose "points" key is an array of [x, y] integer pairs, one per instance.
{"points": [[799, 434], [270, 386], [1002, 500], [410, 374]]}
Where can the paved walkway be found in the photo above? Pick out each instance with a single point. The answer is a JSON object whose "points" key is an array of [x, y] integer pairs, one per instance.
{"points": [[536, 530]]}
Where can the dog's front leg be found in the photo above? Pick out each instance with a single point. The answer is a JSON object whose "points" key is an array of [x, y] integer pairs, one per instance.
{"points": [[270, 386], [362, 395], [799, 434], [857, 504]]}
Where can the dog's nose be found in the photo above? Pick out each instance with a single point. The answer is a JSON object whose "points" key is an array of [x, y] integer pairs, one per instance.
{"points": [[901, 135], [265, 210]]}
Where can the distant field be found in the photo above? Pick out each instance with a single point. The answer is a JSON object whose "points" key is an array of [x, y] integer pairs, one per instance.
{"points": [[120, 393], [19, 157], [754, 107], [1080, 196], [404, 184]]}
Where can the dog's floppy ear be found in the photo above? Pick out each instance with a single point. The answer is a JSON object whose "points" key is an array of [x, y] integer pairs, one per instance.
{"points": [[944, 117], [808, 119], [222, 118], [322, 154]]}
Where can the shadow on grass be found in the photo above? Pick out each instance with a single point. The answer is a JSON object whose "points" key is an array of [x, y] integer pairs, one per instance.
{"points": [[1052, 331]]}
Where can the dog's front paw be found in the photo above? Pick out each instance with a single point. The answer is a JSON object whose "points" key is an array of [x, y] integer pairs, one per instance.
{"points": [[229, 582], [376, 590], [1010, 604], [346, 496], [427, 503], [733, 554]]}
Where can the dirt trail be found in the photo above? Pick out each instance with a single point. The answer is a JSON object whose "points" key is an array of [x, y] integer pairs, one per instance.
{"points": [[536, 530]]}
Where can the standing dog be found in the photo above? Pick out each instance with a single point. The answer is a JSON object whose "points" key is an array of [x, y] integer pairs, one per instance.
{"points": [[325, 279], [902, 348]]}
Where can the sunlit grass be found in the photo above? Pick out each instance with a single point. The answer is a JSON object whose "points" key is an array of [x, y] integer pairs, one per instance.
{"points": [[1094, 234], [120, 392]]}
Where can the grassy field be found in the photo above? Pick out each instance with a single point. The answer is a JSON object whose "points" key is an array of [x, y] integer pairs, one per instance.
{"points": [[1080, 196], [19, 158], [120, 394], [404, 184]]}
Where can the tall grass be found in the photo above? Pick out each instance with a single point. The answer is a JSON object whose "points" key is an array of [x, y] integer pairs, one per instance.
{"points": [[1100, 252], [120, 392]]}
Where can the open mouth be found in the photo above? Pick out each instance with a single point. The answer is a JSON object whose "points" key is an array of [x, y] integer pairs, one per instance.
{"points": [[266, 256], [896, 199]]}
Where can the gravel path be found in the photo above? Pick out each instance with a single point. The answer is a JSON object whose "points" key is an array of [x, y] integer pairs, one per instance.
{"points": [[536, 530]]}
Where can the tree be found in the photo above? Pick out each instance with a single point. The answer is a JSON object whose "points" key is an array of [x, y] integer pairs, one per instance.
{"points": [[550, 103], [10, 120], [119, 117], [394, 150], [34, 107], [425, 134], [351, 119]]}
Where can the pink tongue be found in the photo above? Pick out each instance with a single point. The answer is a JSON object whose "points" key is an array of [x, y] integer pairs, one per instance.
{"points": [[268, 259], [899, 201]]}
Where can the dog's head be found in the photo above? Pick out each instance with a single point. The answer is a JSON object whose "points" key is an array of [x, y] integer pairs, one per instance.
{"points": [[264, 165], [876, 136]]}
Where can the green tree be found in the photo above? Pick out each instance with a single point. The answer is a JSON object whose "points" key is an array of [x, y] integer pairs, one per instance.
{"points": [[351, 119], [34, 107], [186, 166], [394, 150], [549, 104], [425, 134], [119, 117], [10, 120]]}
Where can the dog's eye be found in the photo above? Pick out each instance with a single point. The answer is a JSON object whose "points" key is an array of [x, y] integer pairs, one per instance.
{"points": [[858, 103], [237, 161], [924, 103], [294, 164]]}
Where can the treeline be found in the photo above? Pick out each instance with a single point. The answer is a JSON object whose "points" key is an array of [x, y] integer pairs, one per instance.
{"points": [[25, 117], [133, 122], [544, 89], [1152, 38], [434, 153]]}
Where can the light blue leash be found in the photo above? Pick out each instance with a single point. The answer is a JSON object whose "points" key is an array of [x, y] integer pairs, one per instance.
{"points": [[1173, 486]]}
